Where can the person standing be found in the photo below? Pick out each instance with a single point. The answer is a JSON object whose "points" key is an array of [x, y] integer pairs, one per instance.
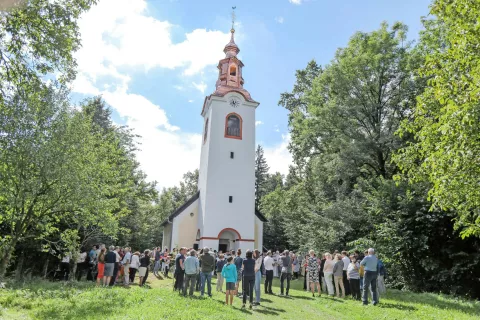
{"points": [[192, 268], [313, 278], [81, 265], [220, 264], [323, 284], [269, 265], [382, 272], [65, 267], [110, 261], [116, 266], [353, 276], [101, 268], [157, 255], [306, 283], [134, 265], [286, 272], [179, 270], [338, 275], [258, 275], [229, 273], [238, 261], [248, 267], [207, 265], [370, 278], [296, 267], [127, 259], [346, 262], [143, 269], [328, 272]]}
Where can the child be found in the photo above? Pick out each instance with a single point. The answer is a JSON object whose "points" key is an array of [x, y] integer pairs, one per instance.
{"points": [[229, 272]]}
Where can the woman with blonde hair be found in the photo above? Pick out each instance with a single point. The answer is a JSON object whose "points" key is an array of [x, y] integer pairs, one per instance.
{"points": [[328, 272], [313, 279]]}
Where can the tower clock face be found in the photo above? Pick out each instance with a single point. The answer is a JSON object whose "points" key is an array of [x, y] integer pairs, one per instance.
{"points": [[234, 102]]}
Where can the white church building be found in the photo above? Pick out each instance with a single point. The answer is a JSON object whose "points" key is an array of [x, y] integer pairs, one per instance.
{"points": [[222, 215]]}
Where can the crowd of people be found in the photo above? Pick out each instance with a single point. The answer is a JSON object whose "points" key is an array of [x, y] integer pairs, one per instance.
{"points": [[341, 274]]}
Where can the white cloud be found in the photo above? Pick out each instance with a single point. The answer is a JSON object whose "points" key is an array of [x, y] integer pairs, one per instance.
{"points": [[120, 33], [257, 123], [191, 101], [279, 19], [278, 157], [297, 2], [276, 128], [202, 86], [120, 38]]}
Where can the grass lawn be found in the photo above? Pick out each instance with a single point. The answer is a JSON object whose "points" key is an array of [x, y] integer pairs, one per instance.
{"points": [[48, 300]]}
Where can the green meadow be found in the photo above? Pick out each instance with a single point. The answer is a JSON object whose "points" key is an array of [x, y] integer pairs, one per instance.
{"points": [[56, 300]]}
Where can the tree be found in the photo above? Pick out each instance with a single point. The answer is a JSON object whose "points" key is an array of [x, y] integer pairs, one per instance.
{"points": [[445, 121], [261, 175]]}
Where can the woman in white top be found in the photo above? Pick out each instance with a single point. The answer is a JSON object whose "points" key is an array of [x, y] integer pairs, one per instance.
{"points": [[134, 266], [258, 274], [328, 272]]}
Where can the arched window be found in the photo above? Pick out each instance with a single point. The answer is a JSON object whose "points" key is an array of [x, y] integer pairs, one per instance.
{"points": [[233, 126], [205, 131], [233, 71]]}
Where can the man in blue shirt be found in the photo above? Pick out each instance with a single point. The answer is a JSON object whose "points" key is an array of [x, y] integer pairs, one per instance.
{"points": [[192, 268], [370, 278]]}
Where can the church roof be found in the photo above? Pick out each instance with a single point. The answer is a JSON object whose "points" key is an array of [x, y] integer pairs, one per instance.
{"points": [[181, 208], [260, 216], [192, 200]]}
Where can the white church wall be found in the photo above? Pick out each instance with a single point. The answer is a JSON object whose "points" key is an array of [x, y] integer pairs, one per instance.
{"points": [[167, 234], [185, 227], [230, 177], [203, 169], [258, 234]]}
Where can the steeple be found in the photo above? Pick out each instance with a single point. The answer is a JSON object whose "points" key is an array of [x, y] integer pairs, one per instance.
{"points": [[230, 69], [231, 49]]}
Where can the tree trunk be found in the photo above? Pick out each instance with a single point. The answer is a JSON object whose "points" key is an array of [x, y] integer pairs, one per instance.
{"points": [[5, 260], [19, 269], [45, 267], [74, 271]]}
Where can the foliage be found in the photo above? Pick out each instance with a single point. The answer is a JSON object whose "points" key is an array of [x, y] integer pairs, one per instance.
{"points": [[43, 300], [341, 194], [261, 174], [445, 121]]}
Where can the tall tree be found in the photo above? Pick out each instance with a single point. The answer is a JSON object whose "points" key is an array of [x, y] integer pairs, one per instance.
{"points": [[445, 121], [261, 175]]}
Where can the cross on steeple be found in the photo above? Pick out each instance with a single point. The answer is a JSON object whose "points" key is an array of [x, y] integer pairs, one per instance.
{"points": [[233, 18]]}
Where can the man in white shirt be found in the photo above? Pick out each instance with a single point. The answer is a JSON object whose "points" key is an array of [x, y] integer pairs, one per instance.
{"points": [[346, 262], [127, 258], [81, 264], [268, 262], [65, 266]]}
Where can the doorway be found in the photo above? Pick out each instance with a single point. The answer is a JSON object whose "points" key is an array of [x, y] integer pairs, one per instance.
{"points": [[223, 248]]}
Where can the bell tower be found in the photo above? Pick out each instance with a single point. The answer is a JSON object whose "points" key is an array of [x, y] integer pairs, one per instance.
{"points": [[227, 218]]}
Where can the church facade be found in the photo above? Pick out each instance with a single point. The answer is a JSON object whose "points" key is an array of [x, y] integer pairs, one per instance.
{"points": [[222, 215]]}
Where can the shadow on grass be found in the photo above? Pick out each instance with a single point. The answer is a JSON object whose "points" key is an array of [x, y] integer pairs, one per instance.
{"points": [[273, 309], [396, 306], [434, 300]]}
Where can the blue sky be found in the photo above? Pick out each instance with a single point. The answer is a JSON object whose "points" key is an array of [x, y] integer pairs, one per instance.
{"points": [[155, 61]]}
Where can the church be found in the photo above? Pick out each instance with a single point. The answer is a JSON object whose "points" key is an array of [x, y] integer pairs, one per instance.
{"points": [[222, 215]]}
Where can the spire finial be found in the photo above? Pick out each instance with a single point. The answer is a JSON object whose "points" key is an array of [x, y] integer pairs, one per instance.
{"points": [[233, 19]]}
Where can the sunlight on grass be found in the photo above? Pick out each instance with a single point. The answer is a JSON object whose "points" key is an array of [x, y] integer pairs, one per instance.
{"points": [[47, 300]]}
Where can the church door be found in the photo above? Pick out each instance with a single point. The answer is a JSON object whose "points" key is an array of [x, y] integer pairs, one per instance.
{"points": [[222, 247]]}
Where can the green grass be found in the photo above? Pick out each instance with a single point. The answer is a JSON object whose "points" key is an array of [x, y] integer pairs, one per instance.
{"points": [[47, 300]]}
